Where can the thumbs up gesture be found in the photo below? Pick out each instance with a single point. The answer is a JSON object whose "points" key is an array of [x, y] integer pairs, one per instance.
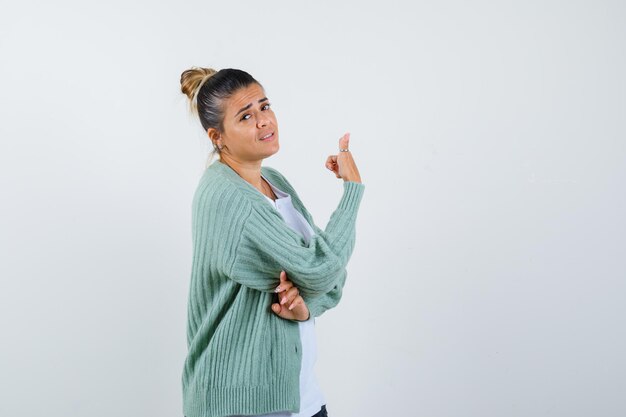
{"points": [[342, 164]]}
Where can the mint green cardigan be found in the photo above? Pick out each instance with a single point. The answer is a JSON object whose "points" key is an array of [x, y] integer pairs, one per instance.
{"points": [[242, 357]]}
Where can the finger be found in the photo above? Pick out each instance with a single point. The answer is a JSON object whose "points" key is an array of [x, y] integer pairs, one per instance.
{"points": [[292, 294], [344, 141], [296, 302], [331, 162], [333, 166], [283, 312], [284, 282], [286, 285], [289, 296]]}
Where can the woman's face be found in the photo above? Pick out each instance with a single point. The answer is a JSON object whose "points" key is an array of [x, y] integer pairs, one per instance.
{"points": [[248, 117]]}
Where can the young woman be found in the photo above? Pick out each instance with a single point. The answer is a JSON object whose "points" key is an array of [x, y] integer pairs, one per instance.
{"points": [[262, 270]]}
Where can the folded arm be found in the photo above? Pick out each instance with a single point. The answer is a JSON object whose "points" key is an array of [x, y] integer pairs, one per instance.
{"points": [[264, 244]]}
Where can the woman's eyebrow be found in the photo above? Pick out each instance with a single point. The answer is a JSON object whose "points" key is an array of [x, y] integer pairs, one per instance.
{"points": [[250, 105]]}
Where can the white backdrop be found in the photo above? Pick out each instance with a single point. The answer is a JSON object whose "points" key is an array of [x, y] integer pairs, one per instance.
{"points": [[488, 277]]}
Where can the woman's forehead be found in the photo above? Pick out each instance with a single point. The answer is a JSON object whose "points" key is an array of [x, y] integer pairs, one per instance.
{"points": [[245, 98], [246, 94]]}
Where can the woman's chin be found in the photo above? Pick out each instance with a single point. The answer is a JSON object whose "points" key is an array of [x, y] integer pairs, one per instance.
{"points": [[273, 152], [273, 148]]}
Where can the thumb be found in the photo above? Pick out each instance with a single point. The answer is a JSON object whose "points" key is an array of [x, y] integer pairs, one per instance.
{"points": [[276, 308], [344, 141]]}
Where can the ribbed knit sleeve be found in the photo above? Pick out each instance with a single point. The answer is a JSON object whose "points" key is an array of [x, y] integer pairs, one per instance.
{"points": [[318, 305], [266, 245]]}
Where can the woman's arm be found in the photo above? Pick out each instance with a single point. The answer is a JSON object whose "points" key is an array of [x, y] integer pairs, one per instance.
{"points": [[264, 244], [318, 305], [290, 305]]}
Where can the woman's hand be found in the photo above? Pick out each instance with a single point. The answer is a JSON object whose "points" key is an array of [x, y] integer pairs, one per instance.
{"points": [[291, 305], [343, 164]]}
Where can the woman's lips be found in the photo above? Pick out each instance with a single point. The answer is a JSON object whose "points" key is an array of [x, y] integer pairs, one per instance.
{"points": [[269, 138]]}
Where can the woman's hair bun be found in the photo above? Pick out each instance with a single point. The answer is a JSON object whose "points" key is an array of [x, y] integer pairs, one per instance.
{"points": [[192, 80]]}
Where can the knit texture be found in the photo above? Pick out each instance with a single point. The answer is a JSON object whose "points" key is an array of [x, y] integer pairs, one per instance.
{"points": [[242, 357]]}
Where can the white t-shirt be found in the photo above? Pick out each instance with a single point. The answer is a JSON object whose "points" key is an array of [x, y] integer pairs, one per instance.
{"points": [[311, 396]]}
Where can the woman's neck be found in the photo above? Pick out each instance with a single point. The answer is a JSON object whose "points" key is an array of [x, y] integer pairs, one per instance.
{"points": [[251, 172]]}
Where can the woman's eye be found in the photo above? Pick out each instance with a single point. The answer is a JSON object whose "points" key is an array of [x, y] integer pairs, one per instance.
{"points": [[248, 114]]}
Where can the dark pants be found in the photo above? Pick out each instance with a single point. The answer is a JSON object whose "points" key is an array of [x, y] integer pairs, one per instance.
{"points": [[321, 413]]}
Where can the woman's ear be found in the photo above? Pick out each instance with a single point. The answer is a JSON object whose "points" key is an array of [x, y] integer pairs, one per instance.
{"points": [[215, 137]]}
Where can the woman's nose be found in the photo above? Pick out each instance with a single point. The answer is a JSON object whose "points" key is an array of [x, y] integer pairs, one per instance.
{"points": [[263, 121]]}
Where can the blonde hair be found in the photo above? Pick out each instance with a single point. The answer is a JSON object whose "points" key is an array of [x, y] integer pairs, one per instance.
{"points": [[191, 81]]}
